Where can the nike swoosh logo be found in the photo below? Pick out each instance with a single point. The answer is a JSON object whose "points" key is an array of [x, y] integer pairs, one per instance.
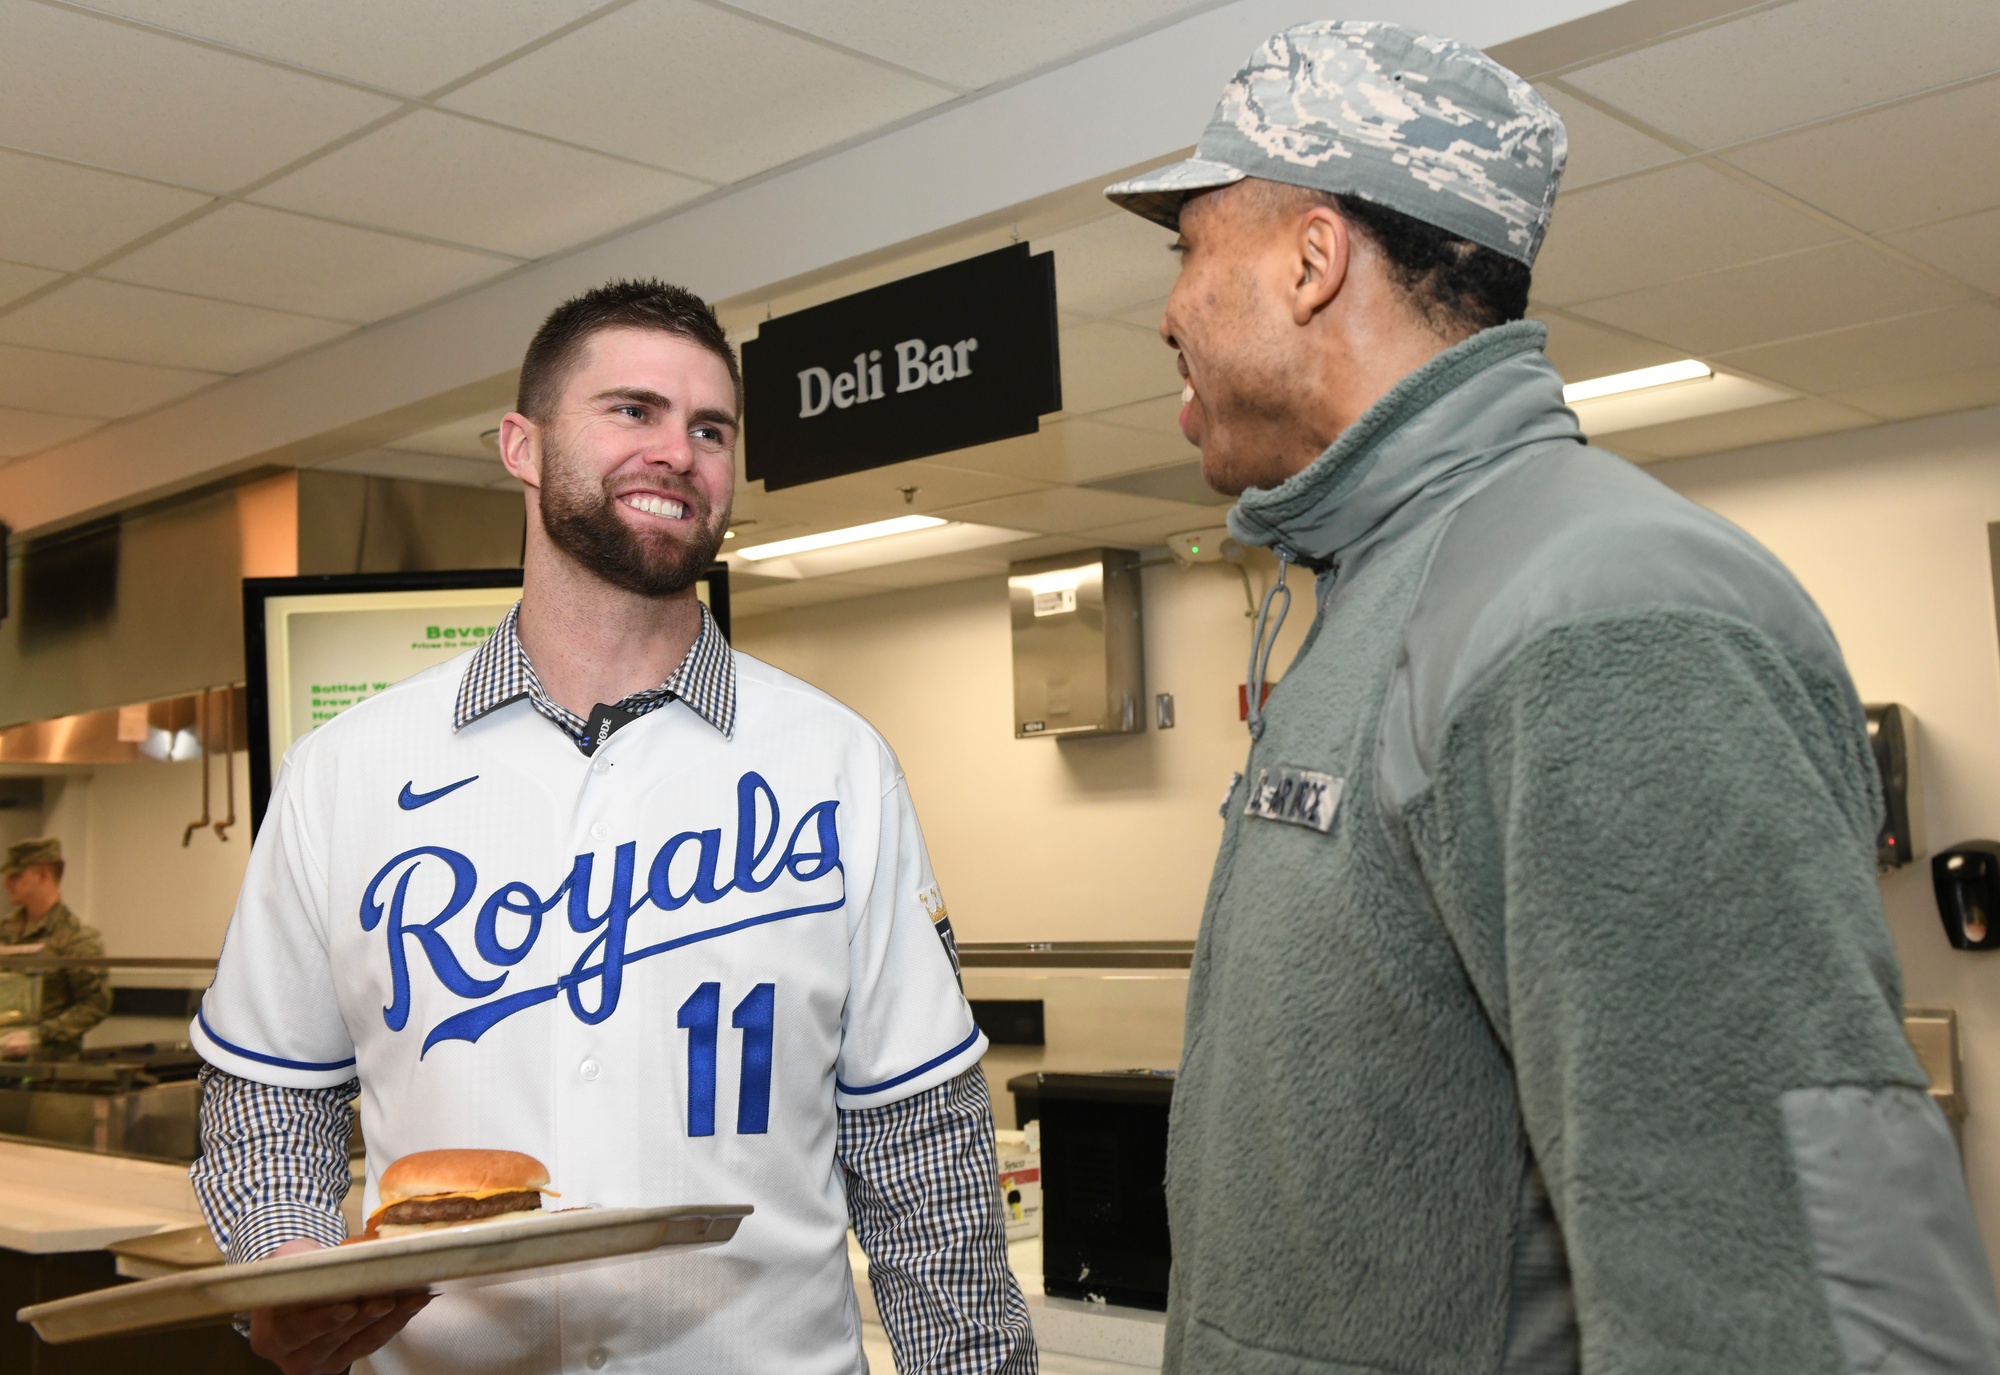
{"points": [[410, 801]]}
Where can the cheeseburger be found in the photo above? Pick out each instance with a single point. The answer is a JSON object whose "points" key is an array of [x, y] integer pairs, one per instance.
{"points": [[433, 1189]]}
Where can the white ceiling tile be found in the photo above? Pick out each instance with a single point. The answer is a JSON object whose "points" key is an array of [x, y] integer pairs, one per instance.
{"points": [[1601, 146], [55, 214], [1182, 482], [1112, 264], [141, 325], [1663, 405], [1803, 293], [1154, 529], [1074, 450], [1968, 248], [1792, 63], [753, 98], [1954, 391], [1159, 416], [25, 432], [459, 439], [1661, 225], [1914, 347], [449, 178], [38, 380], [458, 472], [412, 48], [104, 93], [879, 490], [17, 280], [891, 577], [969, 43], [1107, 364], [1581, 350], [1910, 164], [1064, 510], [1709, 434], [284, 261]]}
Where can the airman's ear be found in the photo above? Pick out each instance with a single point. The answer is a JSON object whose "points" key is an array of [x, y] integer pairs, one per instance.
{"points": [[521, 448], [1322, 244]]}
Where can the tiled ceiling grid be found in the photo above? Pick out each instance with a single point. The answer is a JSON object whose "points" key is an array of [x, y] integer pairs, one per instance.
{"points": [[191, 189]]}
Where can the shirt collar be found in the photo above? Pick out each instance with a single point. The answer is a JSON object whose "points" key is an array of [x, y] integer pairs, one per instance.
{"points": [[500, 672]]}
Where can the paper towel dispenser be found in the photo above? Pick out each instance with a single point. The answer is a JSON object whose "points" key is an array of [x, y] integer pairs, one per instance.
{"points": [[1892, 734], [1079, 665]]}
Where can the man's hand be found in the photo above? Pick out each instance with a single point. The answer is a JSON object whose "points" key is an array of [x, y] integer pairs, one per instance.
{"points": [[17, 1045], [324, 1339]]}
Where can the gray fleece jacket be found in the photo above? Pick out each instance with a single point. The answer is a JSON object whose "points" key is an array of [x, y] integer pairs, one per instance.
{"points": [[1543, 1016]]}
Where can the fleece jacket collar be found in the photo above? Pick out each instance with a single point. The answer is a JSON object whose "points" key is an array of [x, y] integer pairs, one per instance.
{"points": [[1463, 411]]}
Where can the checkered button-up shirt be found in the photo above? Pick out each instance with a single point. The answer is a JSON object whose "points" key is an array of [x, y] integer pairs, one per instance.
{"points": [[920, 1173]]}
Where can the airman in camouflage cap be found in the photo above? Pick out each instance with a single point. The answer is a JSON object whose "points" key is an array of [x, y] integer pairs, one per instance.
{"points": [[1422, 125], [23, 853]]}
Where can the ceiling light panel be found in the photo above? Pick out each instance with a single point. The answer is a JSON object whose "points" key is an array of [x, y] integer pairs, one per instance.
{"points": [[828, 539], [1638, 379], [283, 261], [1659, 226], [604, 87], [411, 48], [57, 215], [456, 179], [1792, 63], [97, 91], [38, 380], [1660, 403], [1910, 164], [140, 325], [966, 42]]}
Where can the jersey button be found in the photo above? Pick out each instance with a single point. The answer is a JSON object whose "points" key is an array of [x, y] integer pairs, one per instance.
{"points": [[600, 766], [599, 831], [589, 1069], [596, 1359]]}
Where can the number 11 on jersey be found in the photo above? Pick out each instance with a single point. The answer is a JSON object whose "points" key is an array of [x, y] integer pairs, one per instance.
{"points": [[755, 1017]]}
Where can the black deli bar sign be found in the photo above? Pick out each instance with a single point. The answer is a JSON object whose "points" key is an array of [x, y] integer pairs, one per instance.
{"points": [[962, 355]]}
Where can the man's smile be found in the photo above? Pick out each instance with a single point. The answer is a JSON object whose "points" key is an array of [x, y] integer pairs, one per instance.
{"points": [[655, 504]]}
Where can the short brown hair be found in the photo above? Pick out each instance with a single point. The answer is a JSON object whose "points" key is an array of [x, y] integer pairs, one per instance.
{"points": [[644, 304]]}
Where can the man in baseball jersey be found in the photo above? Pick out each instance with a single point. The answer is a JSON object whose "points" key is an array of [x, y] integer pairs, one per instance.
{"points": [[609, 893]]}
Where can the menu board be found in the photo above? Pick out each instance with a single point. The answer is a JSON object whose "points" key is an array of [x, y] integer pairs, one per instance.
{"points": [[327, 652], [315, 646]]}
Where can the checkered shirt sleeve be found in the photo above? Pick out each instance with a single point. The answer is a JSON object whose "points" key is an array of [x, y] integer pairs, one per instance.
{"points": [[923, 1195], [273, 1165]]}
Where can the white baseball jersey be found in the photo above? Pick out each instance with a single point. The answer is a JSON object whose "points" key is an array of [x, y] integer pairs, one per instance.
{"points": [[658, 969]]}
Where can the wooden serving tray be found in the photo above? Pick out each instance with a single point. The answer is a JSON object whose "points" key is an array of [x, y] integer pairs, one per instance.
{"points": [[448, 1258]]}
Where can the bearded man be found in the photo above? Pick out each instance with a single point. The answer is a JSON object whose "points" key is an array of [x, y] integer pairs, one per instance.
{"points": [[510, 901]]}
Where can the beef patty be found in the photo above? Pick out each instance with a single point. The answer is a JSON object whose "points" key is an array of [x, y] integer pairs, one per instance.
{"points": [[460, 1209]]}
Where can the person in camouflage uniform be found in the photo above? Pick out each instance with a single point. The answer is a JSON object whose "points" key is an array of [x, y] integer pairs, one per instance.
{"points": [[73, 1000]]}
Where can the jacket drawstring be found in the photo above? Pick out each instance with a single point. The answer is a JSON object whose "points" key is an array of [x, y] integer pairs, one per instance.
{"points": [[1261, 647]]}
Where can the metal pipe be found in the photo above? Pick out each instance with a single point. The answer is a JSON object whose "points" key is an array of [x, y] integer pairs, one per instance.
{"points": [[228, 761], [201, 749]]}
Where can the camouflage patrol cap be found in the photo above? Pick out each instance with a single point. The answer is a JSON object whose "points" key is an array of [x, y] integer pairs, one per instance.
{"points": [[24, 853], [1423, 125]]}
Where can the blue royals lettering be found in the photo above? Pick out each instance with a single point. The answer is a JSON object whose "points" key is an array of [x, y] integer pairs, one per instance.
{"points": [[517, 909]]}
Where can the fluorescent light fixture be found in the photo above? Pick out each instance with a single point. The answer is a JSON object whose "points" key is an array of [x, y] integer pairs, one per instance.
{"points": [[829, 539], [1618, 383]]}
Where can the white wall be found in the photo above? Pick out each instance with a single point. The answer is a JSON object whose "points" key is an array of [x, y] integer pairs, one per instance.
{"points": [[128, 874], [1887, 530], [1105, 839]]}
